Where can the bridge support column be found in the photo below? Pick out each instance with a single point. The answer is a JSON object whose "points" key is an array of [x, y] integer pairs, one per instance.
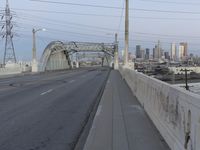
{"points": [[77, 64], [77, 60]]}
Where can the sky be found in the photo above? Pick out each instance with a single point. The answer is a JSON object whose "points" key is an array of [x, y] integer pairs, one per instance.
{"points": [[150, 20]]}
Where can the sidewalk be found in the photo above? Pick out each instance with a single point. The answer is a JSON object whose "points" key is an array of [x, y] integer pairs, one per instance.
{"points": [[121, 123]]}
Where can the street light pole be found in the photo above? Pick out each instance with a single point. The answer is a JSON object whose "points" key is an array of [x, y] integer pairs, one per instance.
{"points": [[34, 46], [34, 59]]}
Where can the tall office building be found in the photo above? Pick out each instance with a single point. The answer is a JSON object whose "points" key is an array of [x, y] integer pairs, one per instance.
{"points": [[138, 51], [157, 51], [173, 54], [183, 51], [185, 45], [142, 53], [166, 55], [154, 53], [147, 55]]}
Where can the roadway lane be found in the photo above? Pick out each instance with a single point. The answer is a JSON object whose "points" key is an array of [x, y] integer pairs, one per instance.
{"points": [[47, 112]]}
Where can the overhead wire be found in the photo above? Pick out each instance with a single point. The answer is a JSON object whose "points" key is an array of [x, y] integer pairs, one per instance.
{"points": [[172, 2], [122, 14], [78, 4]]}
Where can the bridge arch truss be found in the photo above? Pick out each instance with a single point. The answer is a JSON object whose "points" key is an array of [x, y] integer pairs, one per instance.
{"points": [[56, 55]]}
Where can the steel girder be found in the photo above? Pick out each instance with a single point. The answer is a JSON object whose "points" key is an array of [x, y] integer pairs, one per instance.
{"points": [[73, 47]]}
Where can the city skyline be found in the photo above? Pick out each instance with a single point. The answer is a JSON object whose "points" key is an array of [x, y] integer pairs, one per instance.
{"points": [[178, 52]]}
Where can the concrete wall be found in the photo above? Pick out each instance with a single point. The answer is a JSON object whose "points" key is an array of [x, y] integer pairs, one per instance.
{"points": [[174, 111]]}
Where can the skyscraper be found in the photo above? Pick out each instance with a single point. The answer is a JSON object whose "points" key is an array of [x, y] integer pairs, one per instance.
{"points": [[173, 53], [166, 54], [138, 51], [157, 51], [154, 53], [147, 55], [142, 53], [183, 51]]}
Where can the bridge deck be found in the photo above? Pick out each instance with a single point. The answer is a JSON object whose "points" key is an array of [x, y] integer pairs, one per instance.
{"points": [[121, 123]]}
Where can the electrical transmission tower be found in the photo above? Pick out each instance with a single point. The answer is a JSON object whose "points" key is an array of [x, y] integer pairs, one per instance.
{"points": [[7, 34]]}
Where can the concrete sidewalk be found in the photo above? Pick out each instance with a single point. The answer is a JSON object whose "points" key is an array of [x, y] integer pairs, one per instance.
{"points": [[121, 123]]}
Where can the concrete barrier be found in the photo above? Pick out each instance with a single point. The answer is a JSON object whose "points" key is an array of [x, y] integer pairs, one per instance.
{"points": [[9, 71], [174, 111]]}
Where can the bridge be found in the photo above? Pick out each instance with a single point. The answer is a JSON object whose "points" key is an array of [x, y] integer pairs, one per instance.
{"points": [[57, 55], [94, 108]]}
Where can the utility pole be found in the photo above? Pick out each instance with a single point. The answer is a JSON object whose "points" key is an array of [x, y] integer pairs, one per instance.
{"points": [[9, 53], [126, 33], [186, 78], [116, 56]]}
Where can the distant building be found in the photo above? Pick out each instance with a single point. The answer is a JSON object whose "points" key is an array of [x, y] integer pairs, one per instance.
{"points": [[166, 54], [142, 53], [185, 45], [157, 51], [147, 54], [191, 55], [183, 51], [162, 53], [130, 56], [138, 51], [173, 54], [154, 53]]}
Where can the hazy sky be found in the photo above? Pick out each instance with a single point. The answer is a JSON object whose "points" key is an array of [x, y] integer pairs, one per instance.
{"points": [[180, 22]]}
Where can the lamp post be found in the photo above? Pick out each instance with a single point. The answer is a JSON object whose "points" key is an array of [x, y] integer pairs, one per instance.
{"points": [[34, 59]]}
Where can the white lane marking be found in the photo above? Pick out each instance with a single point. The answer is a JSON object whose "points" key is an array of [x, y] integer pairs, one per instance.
{"points": [[71, 81], [49, 91]]}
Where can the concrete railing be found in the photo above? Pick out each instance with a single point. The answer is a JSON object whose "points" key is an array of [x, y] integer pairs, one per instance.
{"points": [[174, 111], [9, 71], [14, 69]]}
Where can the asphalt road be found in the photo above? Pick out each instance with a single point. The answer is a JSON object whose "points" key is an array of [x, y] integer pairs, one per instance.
{"points": [[47, 111]]}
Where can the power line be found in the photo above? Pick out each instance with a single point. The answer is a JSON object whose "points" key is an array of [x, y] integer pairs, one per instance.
{"points": [[108, 29], [166, 35], [78, 4], [66, 24], [100, 6], [44, 19], [65, 31], [66, 13], [170, 2], [122, 13], [167, 18], [88, 14], [167, 11]]}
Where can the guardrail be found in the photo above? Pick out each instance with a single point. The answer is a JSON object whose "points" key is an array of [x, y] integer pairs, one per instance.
{"points": [[174, 111]]}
